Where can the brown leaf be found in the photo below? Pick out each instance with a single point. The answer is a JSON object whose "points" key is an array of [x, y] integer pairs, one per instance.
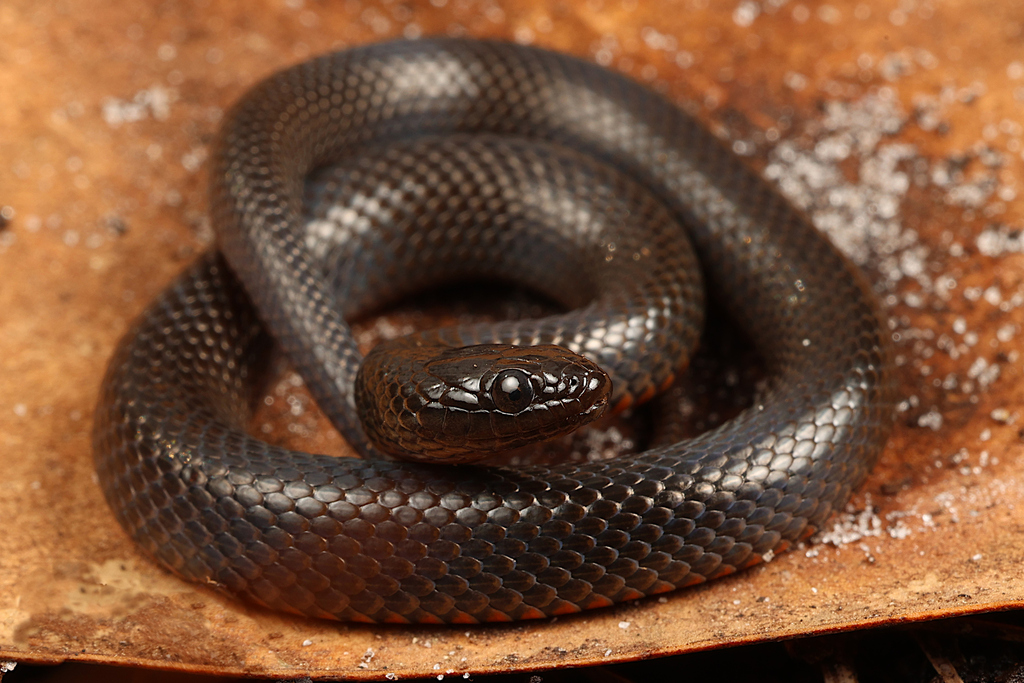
{"points": [[906, 117]]}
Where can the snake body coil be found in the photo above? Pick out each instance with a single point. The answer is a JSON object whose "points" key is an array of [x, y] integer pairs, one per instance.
{"points": [[373, 540]]}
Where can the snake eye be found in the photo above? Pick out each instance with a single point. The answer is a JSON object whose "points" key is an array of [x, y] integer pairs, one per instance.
{"points": [[511, 391]]}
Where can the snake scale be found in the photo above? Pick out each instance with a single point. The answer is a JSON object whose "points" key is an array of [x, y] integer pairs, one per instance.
{"points": [[448, 158]]}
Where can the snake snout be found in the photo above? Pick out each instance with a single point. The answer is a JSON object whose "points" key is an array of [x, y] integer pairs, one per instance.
{"points": [[458, 405]]}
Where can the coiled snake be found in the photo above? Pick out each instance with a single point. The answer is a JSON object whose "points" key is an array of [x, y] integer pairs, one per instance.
{"points": [[454, 158]]}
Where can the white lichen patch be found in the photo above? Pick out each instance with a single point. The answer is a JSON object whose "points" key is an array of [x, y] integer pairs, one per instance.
{"points": [[852, 171], [154, 102]]}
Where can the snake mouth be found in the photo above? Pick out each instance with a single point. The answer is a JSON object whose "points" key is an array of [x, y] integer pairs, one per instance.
{"points": [[597, 409]]}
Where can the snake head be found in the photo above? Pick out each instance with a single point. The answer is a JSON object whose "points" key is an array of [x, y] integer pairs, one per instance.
{"points": [[457, 405]]}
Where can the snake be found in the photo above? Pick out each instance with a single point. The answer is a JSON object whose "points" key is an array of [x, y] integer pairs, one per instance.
{"points": [[357, 178]]}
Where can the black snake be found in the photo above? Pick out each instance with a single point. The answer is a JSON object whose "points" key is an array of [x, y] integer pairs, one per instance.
{"points": [[452, 158]]}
